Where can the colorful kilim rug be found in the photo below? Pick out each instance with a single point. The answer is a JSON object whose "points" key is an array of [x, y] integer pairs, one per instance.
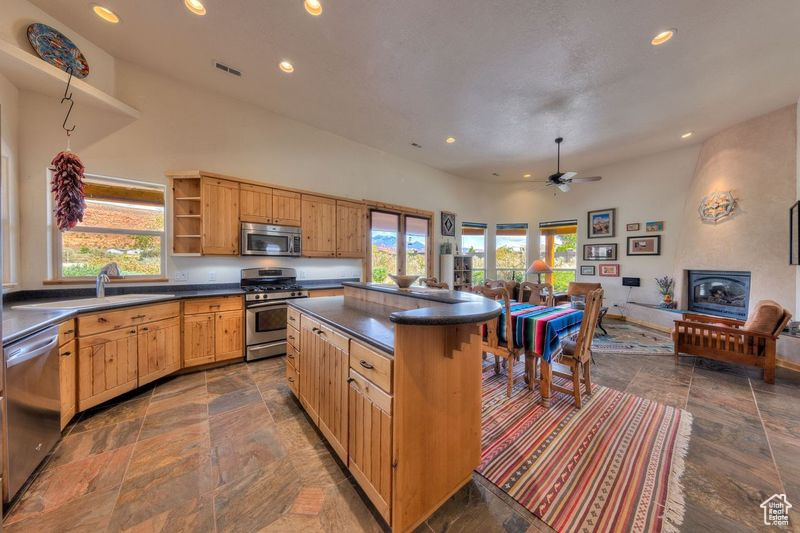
{"points": [[613, 465]]}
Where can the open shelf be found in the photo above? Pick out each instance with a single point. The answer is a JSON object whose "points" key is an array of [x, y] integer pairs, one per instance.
{"points": [[187, 216], [29, 72], [193, 198], [187, 236]]}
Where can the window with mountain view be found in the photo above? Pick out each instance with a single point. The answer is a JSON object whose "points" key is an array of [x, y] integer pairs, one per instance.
{"points": [[473, 243], [123, 223], [510, 251], [400, 244], [558, 247]]}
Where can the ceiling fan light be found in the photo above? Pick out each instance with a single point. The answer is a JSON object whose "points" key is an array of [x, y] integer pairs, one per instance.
{"points": [[564, 187]]}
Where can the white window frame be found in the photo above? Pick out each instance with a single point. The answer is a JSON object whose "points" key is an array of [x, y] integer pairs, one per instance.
{"points": [[485, 268], [57, 234], [513, 271]]}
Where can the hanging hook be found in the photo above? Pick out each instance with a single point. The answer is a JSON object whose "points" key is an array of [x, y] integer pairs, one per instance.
{"points": [[68, 98]]}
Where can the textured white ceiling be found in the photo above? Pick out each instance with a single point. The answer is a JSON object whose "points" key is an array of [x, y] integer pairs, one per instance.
{"points": [[503, 77]]}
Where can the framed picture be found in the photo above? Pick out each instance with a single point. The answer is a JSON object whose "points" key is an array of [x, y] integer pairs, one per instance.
{"points": [[601, 223], [794, 234], [587, 270], [610, 270], [599, 252], [448, 224], [644, 245], [651, 227], [632, 227]]}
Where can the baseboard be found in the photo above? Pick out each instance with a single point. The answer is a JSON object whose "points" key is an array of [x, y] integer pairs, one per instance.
{"points": [[785, 363], [646, 324]]}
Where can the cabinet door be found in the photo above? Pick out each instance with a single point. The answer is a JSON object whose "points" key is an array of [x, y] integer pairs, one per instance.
{"points": [[370, 446], [285, 208], [229, 335], [220, 217], [334, 367], [68, 376], [350, 222], [319, 226], [159, 349], [310, 344], [255, 204], [198, 339], [107, 366]]}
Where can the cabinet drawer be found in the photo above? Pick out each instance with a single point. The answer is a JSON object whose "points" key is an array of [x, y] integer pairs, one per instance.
{"points": [[291, 378], [335, 338], [372, 365], [292, 356], [125, 318], [293, 317], [199, 306], [292, 337], [306, 322], [66, 332], [377, 396]]}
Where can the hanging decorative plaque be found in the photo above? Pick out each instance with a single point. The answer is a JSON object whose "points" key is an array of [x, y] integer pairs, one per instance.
{"points": [[717, 206]]}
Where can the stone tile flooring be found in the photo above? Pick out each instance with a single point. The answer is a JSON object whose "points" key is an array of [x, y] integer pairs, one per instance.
{"points": [[230, 450]]}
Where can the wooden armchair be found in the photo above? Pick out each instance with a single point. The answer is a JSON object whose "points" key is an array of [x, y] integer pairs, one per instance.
{"points": [[432, 283], [492, 343], [540, 293], [749, 343], [577, 354]]}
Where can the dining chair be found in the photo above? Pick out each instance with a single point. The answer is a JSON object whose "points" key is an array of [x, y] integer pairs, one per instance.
{"points": [[492, 343], [510, 286], [540, 293], [432, 283], [576, 354]]}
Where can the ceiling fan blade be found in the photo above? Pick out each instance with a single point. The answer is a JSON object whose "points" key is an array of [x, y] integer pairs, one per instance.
{"points": [[586, 180], [567, 176], [564, 187]]}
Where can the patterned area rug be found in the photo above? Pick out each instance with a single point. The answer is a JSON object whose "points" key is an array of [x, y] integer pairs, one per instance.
{"points": [[613, 465], [631, 339]]}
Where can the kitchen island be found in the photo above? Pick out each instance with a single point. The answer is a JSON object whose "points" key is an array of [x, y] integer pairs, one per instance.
{"points": [[392, 378]]}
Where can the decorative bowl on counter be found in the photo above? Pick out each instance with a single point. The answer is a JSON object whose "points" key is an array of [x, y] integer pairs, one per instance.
{"points": [[403, 282]]}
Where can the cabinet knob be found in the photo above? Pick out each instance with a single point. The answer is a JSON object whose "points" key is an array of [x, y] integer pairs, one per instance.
{"points": [[66, 354], [366, 365], [69, 332], [350, 380]]}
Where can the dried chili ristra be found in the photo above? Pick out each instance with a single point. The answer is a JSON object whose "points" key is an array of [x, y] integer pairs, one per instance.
{"points": [[67, 187]]}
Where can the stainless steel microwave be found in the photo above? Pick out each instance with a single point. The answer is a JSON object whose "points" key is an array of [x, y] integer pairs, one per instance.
{"points": [[262, 239]]}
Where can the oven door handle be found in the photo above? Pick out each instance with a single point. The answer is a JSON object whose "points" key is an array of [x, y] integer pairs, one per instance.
{"points": [[267, 304]]}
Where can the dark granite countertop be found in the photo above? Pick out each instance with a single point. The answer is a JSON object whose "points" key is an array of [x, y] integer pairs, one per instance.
{"points": [[366, 321], [19, 323], [460, 308]]}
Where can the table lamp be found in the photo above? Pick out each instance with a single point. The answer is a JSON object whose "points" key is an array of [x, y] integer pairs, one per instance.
{"points": [[539, 267]]}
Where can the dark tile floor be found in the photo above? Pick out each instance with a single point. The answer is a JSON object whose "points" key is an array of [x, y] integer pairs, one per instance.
{"points": [[230, 450]]}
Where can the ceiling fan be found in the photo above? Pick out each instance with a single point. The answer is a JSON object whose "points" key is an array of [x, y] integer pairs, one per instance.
{"points": [[563, 180]]}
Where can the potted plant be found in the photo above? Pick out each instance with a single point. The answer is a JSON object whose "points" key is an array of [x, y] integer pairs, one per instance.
{"points": [[665, 287]]}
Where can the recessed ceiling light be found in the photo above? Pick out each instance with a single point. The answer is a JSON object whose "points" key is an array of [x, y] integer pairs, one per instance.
{"points": [[450, 140], [663, 36], [286, 66], [526, 176], [313, 7], [687, 135], [105, 14], [195, 6]]}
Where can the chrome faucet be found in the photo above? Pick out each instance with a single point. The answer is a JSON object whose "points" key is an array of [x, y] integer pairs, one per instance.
{"points": [[111, 269]]}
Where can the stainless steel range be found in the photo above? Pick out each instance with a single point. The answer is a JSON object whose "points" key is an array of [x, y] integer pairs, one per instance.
{"points": [[266, 293]]}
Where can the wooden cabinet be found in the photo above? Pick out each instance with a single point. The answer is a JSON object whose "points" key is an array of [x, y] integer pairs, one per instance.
{"points": [[370, 441], [67, 373], [334, 368], [286, 208], [107, 366], [229, 335], [350, 225], [159, 349], [213, 330], [220, 217], [309, 368], [319, 226], [198, 339], [255, 204], [126, 318]]}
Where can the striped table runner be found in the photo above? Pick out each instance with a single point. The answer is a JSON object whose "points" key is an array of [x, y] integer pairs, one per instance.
{"points": [[540, 329]]}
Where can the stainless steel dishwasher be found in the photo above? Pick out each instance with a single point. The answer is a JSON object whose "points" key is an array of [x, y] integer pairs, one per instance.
{"points": [[33, 406]]}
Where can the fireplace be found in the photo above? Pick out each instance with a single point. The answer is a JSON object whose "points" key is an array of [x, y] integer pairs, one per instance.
{"points": [[719, 292]]}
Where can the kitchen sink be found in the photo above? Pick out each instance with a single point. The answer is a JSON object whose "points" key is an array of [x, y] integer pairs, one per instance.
{"points": [[88, 303]]}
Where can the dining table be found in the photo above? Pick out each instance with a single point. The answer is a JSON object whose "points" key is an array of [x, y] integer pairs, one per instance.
{"points": [[540, 330]]}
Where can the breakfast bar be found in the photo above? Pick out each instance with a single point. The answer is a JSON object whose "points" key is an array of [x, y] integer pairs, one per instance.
{"points": [[392, 379]]}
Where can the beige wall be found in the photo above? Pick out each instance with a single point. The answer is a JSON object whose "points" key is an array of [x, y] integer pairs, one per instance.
{"points": [[757, 160], [9, 151], [182, 128]]}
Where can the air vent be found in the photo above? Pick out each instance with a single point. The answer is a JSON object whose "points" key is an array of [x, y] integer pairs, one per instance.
{"points": [[225, 68]]}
